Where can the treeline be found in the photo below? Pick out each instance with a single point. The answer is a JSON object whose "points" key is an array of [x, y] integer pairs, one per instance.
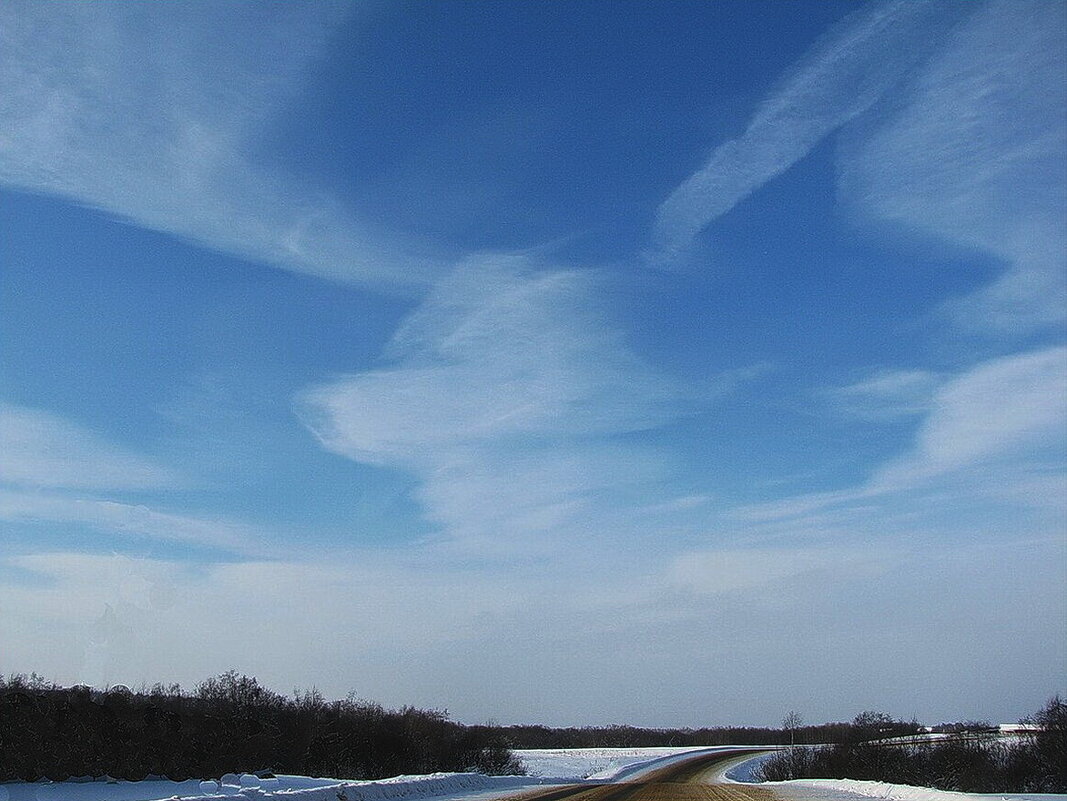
{"points": [[227, 724], [869, 725], [972, 759]]}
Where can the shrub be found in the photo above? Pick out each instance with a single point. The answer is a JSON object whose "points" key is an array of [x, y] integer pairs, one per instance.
{"points": [[974, 761]]}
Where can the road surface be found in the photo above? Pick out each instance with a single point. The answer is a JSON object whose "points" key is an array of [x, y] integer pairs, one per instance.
{"points": [[687, 780]]}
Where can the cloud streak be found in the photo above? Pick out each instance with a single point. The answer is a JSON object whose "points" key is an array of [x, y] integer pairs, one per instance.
{"points": [[974, 152], [844, 74], [1008, 408], [996, 429], [39, 449], [886, 395], [53, 471], [150, 114], [129, 520], [952, 123]]}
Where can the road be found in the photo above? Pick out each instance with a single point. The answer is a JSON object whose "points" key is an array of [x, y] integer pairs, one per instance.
{"points": [[687, 780]]}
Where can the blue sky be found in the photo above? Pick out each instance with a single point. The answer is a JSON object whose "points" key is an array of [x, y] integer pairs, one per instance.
{"points": [[667, 364]]}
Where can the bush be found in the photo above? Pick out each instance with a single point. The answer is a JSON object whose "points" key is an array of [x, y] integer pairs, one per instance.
{"points": [[976, 761]]}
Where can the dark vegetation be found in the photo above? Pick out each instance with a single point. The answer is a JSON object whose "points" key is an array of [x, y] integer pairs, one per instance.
{"points": [[227, 724], [230, 724], [864, 726], [633, 737], [971, 759]]}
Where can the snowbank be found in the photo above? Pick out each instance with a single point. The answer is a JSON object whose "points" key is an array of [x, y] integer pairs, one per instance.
{"points": [[248, 787], [557, 766], [401, 787], [830, 789], [549, 766], [901, 792]]}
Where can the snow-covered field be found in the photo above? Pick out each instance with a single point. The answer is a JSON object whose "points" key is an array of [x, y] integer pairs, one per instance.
{"points": [[594, 763], [545, 767]]}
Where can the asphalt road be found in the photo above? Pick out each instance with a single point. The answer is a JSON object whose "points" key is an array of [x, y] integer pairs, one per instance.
{"points": [[687, 780]]}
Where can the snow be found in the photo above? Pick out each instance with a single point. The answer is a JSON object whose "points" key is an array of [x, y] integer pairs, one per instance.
{"points": [[546, 767], [603, 764], [854, 789], [293, 788], [744, 772]]}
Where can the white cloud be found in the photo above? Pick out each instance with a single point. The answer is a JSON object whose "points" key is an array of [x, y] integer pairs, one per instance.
{"points": [[497, 350], [1014, 407], [150, 113], [797, 506], [132, 520], [39, 449], [996, 431], [843, 75], [953, 121], [508, 390], [975, 152], [533, 500], [53, 471], [886, 394]]}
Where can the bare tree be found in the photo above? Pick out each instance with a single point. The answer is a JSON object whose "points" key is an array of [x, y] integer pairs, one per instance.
{"points": [[791, 722]]}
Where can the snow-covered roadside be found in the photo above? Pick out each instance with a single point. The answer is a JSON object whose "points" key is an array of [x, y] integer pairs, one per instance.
{"points": [[545, 767], [602, 764], [296, 788], [852, 789]]}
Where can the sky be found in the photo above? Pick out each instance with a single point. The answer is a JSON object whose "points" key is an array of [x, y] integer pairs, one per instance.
{"points": [[660, 363]]}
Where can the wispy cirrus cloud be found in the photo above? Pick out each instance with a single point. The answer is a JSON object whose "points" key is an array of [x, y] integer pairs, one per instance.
{"points": [[150, 113], [53, 470], [995, 429], [952, 123], [135, 521], [845, 73], [886, 394], [41, 449], [1011, 408], [506, 399], [974, 152]]}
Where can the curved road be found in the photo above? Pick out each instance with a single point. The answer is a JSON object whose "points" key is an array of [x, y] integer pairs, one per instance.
{"points": [[686, 780]]}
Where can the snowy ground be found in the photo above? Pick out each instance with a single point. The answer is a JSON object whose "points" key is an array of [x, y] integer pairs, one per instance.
{"points": [[545, 767], [595, 763], [853, 790], [292, 788]]}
